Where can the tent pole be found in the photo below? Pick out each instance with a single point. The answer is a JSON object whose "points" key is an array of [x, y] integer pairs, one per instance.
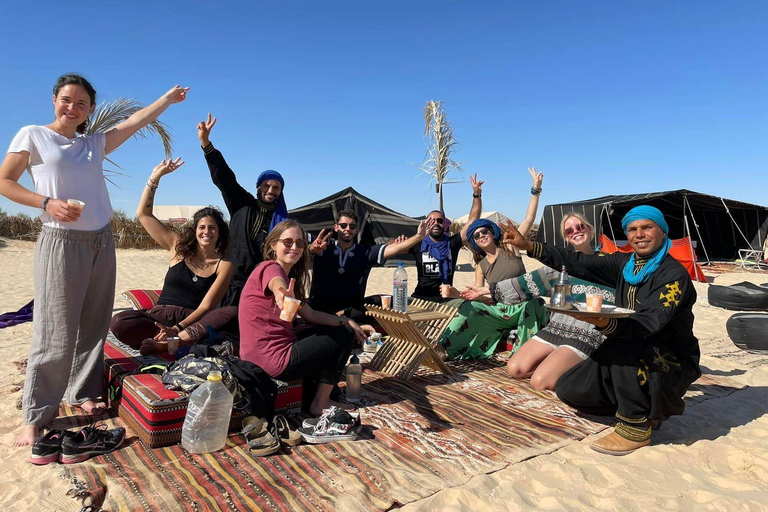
{"points": [[606, 209], [698, 233], [690, 243], [749, 244]]}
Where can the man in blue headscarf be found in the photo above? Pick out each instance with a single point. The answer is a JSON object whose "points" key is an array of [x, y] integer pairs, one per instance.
{"points": [[436, 255], [642, 370], [251, 218]]}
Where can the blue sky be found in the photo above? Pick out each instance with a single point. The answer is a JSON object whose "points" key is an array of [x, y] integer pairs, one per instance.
{"points": [[604, 97]]}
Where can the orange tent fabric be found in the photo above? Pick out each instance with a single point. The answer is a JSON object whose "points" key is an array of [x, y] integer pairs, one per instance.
{"points": [[681, 250]]}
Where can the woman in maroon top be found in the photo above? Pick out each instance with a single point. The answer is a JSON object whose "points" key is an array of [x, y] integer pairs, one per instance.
{"points": [[319, 354]]}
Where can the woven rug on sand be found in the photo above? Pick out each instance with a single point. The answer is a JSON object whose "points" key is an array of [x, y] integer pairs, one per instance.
{"points": [[421, 436]]}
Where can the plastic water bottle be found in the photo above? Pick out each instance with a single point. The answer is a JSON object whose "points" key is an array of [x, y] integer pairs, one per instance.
{"points": [[400, 289], [208, 414], [354, 379]]}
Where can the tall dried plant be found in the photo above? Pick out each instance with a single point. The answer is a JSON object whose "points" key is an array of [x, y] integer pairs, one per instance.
{"points": [[440, 143], [109, 114]]}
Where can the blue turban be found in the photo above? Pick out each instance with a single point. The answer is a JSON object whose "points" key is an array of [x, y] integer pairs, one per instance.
{"points": [[645, 212], [281, 211], [482, 223]]}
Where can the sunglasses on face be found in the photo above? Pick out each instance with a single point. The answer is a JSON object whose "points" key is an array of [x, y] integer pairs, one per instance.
{"points": [[288, 242], [578, 228], [480, 233], [343, 225], [439, 221]]}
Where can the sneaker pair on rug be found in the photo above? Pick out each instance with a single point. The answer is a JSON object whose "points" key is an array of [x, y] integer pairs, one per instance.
{"points": [[335, 424], [71, 447]]}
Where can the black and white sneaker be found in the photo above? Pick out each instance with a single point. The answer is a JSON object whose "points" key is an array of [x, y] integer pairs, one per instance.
{"points": [[48, 448], [335, 424], [89, 442]]}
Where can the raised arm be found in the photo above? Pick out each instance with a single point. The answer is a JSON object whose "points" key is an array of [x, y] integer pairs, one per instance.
{"points": [[234, 195], [533, 205], [122, 132], [159, 232], [408, 243], [477, 205]]}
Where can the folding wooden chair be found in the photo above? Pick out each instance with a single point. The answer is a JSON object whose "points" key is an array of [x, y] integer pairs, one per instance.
{"points": [[407, 347]]}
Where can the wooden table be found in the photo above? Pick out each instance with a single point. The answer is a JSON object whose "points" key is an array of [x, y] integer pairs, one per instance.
{"points": [[409, 346]]}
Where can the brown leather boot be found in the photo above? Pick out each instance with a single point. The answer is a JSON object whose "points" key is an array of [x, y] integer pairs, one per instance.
{"points": [[614, 444]]}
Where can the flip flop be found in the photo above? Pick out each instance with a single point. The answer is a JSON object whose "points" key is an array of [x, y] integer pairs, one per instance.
{"points": [[258, 438], [282, 431]]}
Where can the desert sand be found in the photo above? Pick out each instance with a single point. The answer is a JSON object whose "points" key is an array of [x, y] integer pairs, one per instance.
{"points": [[714, 457]]}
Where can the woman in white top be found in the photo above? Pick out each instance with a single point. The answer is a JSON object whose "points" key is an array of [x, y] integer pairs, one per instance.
{"points": [[75, 255]]}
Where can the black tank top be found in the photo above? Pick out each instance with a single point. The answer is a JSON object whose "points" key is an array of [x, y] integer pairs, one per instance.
{"points": [[183, 288]]}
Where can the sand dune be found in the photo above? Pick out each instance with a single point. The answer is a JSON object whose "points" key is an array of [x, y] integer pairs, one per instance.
{"points": [[715, 457]]}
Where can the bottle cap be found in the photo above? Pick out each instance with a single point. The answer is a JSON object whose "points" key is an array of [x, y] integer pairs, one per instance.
{"points": [[355, 359], [214, 376], [400, 264]]}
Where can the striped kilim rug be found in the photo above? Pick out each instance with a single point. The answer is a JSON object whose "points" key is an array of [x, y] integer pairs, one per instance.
{"points": [[423, 435]]}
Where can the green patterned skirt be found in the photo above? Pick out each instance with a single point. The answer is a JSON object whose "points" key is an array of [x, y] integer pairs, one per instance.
{"points": [[477, 330]]}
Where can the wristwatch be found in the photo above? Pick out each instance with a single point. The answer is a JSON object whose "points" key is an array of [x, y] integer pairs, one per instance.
{"points": [[476, 195], [45, 202]]}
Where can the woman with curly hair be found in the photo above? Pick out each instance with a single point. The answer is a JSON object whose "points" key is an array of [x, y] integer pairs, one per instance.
{"points": [[197, 279]]}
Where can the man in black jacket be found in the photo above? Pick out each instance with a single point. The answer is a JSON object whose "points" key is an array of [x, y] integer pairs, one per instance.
{"points": [[251, 218]]}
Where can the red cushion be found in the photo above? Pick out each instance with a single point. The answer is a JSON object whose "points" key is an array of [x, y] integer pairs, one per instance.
{"points": [[142, 299]]}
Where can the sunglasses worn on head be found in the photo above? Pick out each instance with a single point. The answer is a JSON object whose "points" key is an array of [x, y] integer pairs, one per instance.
{"points": [[343, 225], [480, 233], [288, 242], [578, 228]]}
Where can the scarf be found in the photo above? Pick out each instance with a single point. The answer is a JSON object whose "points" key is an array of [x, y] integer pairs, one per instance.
{"points": [[482, 223], [441, 251], [645, 212], [279, 210]]}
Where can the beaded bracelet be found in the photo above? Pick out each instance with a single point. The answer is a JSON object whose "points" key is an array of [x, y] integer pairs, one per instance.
{"points": [[535, 191], [152, 186]]}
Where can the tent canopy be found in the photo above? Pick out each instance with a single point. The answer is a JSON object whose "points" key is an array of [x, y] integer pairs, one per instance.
{"points": [[175, 213], [378, 224], [718, 226], [494, 216]]}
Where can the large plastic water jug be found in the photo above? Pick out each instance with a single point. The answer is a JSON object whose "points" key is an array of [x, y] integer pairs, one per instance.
{"points": [[208, 414]]}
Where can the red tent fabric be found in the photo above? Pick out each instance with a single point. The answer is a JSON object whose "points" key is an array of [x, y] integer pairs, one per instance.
{"points": [[681, 250]]}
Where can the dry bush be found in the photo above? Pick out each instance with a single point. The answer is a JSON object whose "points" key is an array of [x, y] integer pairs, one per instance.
{"points": [[129, 233]]}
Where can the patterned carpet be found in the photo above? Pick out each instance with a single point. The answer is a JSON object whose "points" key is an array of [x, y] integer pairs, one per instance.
{"points": [[421, 436]]}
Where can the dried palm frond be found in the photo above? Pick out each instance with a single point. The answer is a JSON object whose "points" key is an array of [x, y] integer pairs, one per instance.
{"points": [[108, 115], [440, 143]]}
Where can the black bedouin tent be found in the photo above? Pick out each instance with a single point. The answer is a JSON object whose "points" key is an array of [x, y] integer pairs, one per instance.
{"points": [[378, 224], [719, 227]]}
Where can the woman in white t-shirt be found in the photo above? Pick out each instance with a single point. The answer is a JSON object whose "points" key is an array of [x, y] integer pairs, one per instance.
{"points": [[75, 255]]}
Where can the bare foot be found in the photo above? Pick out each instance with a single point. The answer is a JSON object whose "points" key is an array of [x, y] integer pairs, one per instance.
{"points": [[28, 435], [92, 407], [150, 346]]}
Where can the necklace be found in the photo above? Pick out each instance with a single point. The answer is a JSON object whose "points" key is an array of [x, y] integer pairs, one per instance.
{"points": [[200, 264]]}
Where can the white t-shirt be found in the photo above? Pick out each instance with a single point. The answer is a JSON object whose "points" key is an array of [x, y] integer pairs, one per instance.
{"points": [[63, 168]]}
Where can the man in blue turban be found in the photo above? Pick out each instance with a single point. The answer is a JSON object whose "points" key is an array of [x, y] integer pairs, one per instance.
{"points": [[251, 218], [643, 369]]}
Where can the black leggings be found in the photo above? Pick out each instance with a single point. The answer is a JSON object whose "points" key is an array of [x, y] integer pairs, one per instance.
{"points": [[320, 354]]}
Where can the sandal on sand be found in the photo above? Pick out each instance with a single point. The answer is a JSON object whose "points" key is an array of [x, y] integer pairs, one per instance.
{"points": [[258, 438], [281, 430]]}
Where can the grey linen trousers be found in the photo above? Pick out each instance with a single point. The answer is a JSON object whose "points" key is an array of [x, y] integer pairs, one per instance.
{"points": [[74, 294]]}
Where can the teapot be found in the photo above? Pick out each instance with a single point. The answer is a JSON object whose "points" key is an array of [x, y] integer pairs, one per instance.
{"points": [[561, 297]]}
